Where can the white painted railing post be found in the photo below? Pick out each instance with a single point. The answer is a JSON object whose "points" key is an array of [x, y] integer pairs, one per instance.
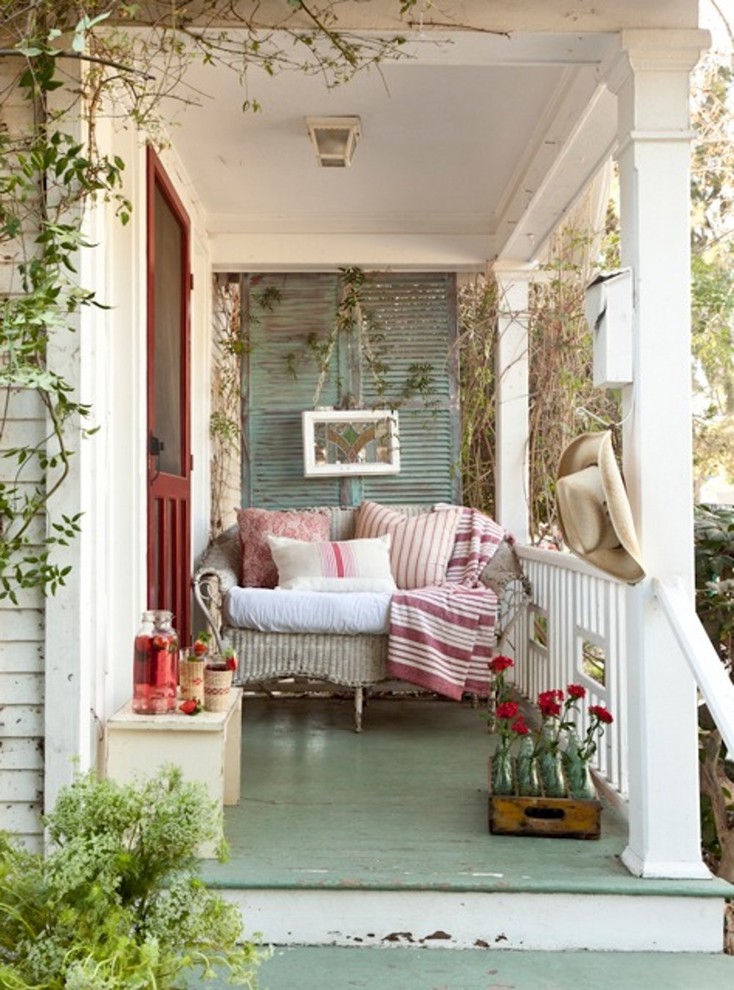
{"points": [[651, 78], [512, 397]]}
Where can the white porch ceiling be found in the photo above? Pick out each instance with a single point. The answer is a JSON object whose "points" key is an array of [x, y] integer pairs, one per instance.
{"points": [[476, 139]]}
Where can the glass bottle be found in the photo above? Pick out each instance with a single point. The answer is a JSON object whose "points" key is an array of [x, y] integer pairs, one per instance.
{"points": [[528, 782], [550, 768], [576, 765], [503, 778], [550, 763], [155, 664]]}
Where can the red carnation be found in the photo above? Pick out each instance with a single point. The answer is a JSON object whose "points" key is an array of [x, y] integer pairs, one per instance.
{"points": [[554, 695], [500, 663], [508, 709], [576, 691], [601, 713], [548, 705], [519, 727]]}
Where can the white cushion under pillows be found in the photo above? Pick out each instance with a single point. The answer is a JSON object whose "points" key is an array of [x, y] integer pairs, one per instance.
{"points": [[421, 545], [293, 611], [349, 565]]}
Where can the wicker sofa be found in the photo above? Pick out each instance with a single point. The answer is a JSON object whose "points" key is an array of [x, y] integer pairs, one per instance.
{"points": [[356, 660]]}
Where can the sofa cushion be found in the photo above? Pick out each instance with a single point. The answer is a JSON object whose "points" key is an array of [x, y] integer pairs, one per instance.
{"points": [[421, 545], [258, 568], [351, 565], [273, 610]]}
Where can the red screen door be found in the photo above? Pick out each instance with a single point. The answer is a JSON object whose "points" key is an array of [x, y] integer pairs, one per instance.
{"points": [[169, 456]]}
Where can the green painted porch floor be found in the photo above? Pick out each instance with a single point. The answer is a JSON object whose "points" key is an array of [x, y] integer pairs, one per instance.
{"points": [[404, 804], [452, 969], [401, 805]]}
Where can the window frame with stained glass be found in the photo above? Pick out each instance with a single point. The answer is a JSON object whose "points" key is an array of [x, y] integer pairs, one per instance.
{"points": [[361, 454]]}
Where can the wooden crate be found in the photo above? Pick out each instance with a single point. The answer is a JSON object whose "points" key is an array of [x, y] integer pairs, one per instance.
{"points": [[553, 817], [560, 818]]}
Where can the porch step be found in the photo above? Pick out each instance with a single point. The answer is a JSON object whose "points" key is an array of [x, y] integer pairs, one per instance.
{"points": [[419, 919], [447, 969], [381, 840]]}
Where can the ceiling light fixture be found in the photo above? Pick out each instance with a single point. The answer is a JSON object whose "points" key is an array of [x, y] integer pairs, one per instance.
{"points": [[334, 139]]}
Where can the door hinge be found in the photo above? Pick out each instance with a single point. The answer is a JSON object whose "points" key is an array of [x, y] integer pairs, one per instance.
{"points": [[191, 281], [191, 462]]}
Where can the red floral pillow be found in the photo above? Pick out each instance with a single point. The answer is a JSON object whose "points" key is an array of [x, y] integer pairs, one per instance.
{"points": [[255, 525]]}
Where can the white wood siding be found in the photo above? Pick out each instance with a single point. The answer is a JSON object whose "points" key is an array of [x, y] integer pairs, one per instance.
{"points": [[21, 664], [21, 625]]}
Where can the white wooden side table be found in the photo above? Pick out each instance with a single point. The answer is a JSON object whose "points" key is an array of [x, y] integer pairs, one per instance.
{"points": [[206, 746]]}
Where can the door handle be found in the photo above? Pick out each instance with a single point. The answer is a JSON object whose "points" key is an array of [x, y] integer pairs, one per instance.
{"points": [[156, 446]]}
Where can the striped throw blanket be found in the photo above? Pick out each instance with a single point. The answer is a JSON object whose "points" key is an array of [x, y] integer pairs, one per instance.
{"points": [[441, 638]]}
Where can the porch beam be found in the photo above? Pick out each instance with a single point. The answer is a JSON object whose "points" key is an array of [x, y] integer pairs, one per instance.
{"points": [[512, 430], [651, 79], [571, 146]]}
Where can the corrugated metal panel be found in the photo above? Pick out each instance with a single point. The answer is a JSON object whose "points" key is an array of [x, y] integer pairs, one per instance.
{"points": [[417, 315]]}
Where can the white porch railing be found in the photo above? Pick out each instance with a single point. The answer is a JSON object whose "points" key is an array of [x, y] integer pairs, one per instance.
{"points": [[711, 677], [574, 632]]}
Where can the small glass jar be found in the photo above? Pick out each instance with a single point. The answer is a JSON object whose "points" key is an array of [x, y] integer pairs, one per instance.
{"points": [[155, 664]]}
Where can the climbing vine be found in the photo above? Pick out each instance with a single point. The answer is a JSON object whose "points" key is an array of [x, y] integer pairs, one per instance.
{"points": [[562, 399], [44, 178], [62, 64], [357, 327]]}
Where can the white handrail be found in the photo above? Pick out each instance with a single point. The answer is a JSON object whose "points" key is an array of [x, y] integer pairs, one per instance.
{"points": [[558, 558], [708, 670]]}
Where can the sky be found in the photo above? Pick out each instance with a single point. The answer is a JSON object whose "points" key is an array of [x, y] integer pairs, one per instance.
{"points": [[718, 17]]}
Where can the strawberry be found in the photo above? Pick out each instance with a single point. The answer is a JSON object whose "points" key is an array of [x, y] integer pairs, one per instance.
{"points": [[230, 658], [202, 643], [160, 642], [190, 707]]}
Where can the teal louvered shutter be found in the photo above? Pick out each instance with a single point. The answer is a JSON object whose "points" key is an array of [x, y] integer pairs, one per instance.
{"points": [[280, 375], [280, 380], [417, 313]]}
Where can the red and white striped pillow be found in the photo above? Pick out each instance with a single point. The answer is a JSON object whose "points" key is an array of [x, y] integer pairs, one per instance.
{"points": [[421, 545], [348, 565]]}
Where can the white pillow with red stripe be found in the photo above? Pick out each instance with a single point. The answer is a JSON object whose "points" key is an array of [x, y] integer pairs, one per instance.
{"points": [[348, 565], [421, 545]]}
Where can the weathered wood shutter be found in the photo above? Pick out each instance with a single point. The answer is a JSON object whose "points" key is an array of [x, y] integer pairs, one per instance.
{"points": [[417, 315]]}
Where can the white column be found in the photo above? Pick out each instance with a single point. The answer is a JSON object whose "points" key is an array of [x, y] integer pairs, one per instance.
{"points": [[512, 396], [77, 637], [651, 78]]}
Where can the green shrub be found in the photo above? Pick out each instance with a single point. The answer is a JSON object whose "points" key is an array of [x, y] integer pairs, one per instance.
{"points": [[116, 903], [714, 545], [714, 548]]}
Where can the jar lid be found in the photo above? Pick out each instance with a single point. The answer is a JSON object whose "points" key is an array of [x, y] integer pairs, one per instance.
{"points": [[158, 615]]}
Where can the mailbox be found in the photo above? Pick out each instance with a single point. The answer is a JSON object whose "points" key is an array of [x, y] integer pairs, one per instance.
{"points": [[609, 315]]}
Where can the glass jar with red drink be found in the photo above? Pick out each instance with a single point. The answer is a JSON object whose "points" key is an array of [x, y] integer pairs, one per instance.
{"points": [[155, 664]]}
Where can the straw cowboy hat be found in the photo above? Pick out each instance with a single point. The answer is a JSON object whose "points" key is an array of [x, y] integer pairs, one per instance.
{"points": [[594, 512]]}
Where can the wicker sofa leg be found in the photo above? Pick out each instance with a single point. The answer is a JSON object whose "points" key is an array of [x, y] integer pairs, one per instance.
{"points": [[358, 706]]}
